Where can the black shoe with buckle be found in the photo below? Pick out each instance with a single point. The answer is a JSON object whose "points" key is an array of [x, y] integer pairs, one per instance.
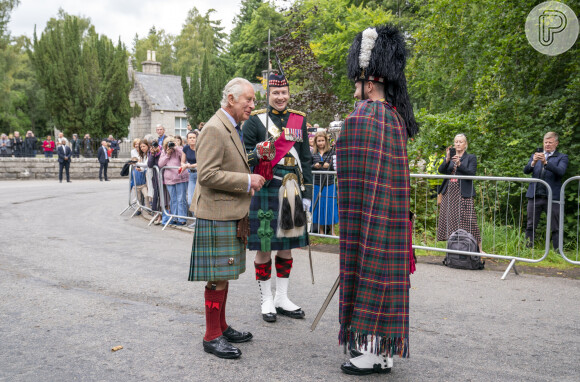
{"points": [[220, 347], [298, 313], [269, 317], [349, 368], [236, 337]]}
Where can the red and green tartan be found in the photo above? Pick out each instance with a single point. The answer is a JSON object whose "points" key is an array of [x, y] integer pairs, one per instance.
{"points": [[373, 203]]}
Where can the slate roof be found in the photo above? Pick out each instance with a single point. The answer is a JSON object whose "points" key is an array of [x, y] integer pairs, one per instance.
{"points": [[164, 91]]}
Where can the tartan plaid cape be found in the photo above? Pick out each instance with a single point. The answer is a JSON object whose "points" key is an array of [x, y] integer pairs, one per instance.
{"points": [[373, 189]]}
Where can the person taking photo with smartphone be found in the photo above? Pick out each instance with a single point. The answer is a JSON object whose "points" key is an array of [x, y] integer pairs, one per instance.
{"points": [[457, 209]]}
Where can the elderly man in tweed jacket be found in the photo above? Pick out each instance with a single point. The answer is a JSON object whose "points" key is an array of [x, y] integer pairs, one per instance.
{"points": [[221, 202]]}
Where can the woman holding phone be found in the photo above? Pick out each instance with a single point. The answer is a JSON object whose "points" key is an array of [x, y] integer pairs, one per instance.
{"points": [[457, 209]]}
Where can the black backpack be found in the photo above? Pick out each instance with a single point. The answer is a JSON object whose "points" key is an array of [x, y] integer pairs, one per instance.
{"points": [[126, 167], [462, 240]]}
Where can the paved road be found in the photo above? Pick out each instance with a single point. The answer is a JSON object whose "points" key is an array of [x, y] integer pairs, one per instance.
{"points": [[77, 279]]}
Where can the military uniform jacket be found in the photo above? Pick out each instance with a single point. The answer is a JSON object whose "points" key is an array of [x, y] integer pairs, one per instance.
{"points": [[255, 132]]}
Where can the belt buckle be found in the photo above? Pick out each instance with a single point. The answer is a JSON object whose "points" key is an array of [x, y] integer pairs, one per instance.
{"points": [[289, 161]]}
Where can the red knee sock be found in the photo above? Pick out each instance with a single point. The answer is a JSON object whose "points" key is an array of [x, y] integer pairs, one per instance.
{"points": [[213, 304], [223, 323], [283, 267], [263, 271]]}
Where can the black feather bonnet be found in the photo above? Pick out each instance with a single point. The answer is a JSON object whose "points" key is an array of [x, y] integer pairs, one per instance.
{"points": [[379, 54]]}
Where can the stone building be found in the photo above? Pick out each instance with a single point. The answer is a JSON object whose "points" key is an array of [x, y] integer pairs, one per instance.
{"points": [[160, 100]]}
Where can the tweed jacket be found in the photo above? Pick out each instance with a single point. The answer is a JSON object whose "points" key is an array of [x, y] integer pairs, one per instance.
{"points": [[222, 172], [468, 167], [553, 172]]}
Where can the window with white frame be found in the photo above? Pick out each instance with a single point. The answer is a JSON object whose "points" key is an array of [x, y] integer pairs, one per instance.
{"points": [[181, 127]]}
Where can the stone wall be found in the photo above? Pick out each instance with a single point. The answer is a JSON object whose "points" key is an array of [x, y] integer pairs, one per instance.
{"points": [[47, 168]]}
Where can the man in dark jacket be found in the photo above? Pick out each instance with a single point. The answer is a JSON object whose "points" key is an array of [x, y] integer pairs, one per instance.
{"points": [[550, 166], [17, 144], [75, 145], [103, 160], [64, 154]]}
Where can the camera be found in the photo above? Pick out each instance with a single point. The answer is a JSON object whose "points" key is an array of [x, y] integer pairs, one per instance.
{"points": [[171, 145], [155, 144]]}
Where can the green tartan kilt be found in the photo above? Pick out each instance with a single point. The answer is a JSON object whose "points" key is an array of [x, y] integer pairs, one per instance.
{"points": [[267, 199], [216, 253]]}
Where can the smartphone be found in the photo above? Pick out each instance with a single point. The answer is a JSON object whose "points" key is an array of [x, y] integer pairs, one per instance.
{"points": [[452, 152], [539, 150]]}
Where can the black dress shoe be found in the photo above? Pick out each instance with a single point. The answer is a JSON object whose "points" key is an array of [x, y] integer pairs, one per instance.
{"points": [[233, 336], [298, 313], [221, 348], [269, 317], [349, 368]]}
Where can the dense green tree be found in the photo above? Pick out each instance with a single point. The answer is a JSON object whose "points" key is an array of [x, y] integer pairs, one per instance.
{"points": [[249, 46], [84, 76], [203, 93], [161, 43], [21, 99], [200, 37]]}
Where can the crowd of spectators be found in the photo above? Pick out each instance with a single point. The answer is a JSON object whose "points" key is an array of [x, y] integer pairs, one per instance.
{"points": [[179, 173], [29, 146]]}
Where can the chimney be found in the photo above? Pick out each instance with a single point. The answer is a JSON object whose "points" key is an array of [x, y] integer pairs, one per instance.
{"points": [[151, 66]]}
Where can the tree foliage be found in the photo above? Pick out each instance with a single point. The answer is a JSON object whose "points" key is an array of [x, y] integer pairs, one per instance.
{"points": [[203, 93], [161, 43], [84, 76], [21, 99], [201, 36], [248, 51]]}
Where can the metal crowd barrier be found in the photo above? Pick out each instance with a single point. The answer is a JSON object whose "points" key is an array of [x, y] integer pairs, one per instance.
{"points": [[562, 220], [496, 201], [322, 197], [162, 196], [136, 204]]}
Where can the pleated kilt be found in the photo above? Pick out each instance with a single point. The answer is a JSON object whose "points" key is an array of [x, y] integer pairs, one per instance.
{"points": [[216, 253], [267, 200]]}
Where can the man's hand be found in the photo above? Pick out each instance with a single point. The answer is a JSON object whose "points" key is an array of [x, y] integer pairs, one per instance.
{"points": [[256, 182], [538, 157]]}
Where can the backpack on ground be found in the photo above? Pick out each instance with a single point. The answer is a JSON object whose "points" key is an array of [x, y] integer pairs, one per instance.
{"points": [[462, 240]]}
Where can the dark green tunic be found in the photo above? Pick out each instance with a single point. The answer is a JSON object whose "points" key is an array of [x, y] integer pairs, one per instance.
{"points": [[263, 224]]}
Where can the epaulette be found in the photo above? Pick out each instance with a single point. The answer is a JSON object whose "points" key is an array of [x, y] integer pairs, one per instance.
{"points": [[297, 112], [259, 111]]}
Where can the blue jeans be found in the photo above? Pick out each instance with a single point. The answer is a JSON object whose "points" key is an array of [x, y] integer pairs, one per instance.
{"points": [[48, 154], [178, 202], [191, 186]]}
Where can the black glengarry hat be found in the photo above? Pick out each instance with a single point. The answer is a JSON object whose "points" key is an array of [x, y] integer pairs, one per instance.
{"points": [[277, 80]]}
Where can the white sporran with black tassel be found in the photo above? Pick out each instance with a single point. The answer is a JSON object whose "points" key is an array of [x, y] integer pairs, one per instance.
{"points": [[291, 214]]}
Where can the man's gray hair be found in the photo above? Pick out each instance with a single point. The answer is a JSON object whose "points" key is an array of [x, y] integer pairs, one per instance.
{"points": [[551, 134], [235, 87]]}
